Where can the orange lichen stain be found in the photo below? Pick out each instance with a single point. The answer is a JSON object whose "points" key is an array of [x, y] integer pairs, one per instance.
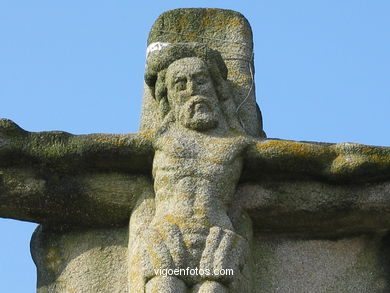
{"points": [[167, 139], [182, 24], [103, 138], [155, 257], [207, 19], [243, 79], [292, 148], [119, 140], [213, 160], [214, 19], [220, 21], [148, 134], [172, 219], [154, 237], [115, 140], [233, 73], [202, 218], [234, 22], [136, 280], [184, 223], [162, 181], [191, 37]]}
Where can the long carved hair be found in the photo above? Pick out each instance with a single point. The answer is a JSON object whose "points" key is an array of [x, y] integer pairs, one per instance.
{"points": [[158, 62]]}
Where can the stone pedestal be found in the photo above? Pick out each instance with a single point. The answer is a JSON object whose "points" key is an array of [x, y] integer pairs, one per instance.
{"points": [[308, 237]]}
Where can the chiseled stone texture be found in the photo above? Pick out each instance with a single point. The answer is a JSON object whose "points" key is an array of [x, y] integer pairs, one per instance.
{"points": [[313, 236], [316, 208], [225, 31], [199, 186], [295, 264]]}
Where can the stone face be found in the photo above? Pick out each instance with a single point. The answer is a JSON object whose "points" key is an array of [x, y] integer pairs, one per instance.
{"points": [[199, 191]]}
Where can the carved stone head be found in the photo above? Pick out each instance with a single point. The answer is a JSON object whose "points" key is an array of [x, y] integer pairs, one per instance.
{"points": [[191, 94], [188, 81]]}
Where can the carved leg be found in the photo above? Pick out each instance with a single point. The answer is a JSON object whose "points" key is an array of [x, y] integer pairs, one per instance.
{"points": [[157, 248], [209, 287], [149, 253], [166, 284]]}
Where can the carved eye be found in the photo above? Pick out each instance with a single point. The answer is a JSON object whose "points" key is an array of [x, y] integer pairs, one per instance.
{"points": [[180, 84]]}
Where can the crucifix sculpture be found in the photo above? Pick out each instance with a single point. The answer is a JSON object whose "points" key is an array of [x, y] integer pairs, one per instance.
{"points": [[193, 201]]}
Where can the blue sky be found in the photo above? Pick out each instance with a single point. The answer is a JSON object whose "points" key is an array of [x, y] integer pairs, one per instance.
{"points": [[322, 74]]}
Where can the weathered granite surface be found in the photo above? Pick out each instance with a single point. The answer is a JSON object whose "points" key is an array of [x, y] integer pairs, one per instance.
{"points": [[200, 187], [225, 31]]}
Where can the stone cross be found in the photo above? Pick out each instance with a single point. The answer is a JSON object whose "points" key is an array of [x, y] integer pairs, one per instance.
{"points": [[199, 201]]}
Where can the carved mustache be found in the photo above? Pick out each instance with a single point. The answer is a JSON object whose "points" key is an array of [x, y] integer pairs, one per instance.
{"points": [[199, 100]]}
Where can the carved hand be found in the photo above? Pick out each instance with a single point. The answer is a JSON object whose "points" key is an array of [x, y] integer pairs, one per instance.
{"points": [[356, 160], [224, 250]]}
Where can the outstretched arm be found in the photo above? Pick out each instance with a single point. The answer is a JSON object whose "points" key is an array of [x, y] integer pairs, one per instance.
{"points": [[50, 177], [65, 152], [335, 162]]}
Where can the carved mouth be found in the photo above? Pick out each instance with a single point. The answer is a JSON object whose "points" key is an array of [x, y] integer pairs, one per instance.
{"points": [[198, 113], [199, 105]]}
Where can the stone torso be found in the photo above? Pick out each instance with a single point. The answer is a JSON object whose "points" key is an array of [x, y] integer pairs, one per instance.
{"points": [[195, 177]]}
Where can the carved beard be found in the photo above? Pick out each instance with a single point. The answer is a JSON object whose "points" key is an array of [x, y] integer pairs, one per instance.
{"points": [[199, 113]]}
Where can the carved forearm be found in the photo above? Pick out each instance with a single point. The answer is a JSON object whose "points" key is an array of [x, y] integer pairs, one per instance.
{"points": [[334, 162], [88, 199], [60, 177], [64, 152], [359, 162], [119, 152]]}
